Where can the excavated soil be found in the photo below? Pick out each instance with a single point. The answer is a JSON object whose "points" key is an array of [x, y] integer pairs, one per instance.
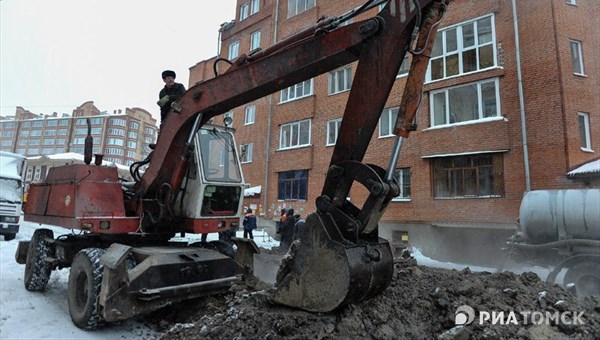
{"points": [[421, 302]]}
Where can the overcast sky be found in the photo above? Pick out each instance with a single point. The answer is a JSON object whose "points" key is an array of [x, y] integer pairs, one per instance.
{"points": [[58, 54]]}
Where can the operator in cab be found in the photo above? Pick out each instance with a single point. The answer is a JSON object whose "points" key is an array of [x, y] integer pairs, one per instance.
{"points": [[170, 93]]}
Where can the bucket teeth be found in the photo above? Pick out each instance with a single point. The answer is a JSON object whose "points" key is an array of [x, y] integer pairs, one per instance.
{"points": [[323, 272]]}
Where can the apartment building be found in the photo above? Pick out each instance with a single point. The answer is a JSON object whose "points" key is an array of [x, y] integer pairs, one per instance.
{"points": [[122, 137], [511, 104]]}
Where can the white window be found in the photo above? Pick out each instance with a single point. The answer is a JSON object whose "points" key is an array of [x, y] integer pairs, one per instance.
{"points": [[572, 2], [117, 121], [295, 134], [23, 142], [131, 154], [246, 152], [149, 131], [96, 121], [131, 144], [132, 134], [38, 170], [24, 133], [340, 80], [34, 142], [402, 177], [298, 6], [81, 131], [333, 128], [464, 48], [115, 141], [64, 122], [47, 151], [301, 90], [78, 140], [387, 122], [134, 125], [254, 6], [118, 132], [234, 50], [577, 57], [62, 132], [6, 143], [36, 133], [244, 9], [52, 122], [464, 103], [114, 151], [39, 123], [49, 132], [584, 131], [250, 114], [26, 124], [7, 133], [33, 151], [255, 40], [50, 141], [96, 131], [80, 121], [29, 173]]}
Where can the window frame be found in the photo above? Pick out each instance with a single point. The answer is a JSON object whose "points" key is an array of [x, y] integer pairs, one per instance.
{"points": [[244, 10], [234, 50], [460, 49], [334, 80], [250, 115], [392, 116], [403, 181], [586, 134], [306, 5], [480, 104], [255, 40], [338, 124], [457, 173], [247, 153], [296, 181], [291, 125], [294, 89], [577, 60]]}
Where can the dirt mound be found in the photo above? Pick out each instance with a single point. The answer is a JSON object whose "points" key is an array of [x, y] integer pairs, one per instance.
{"points": [[421, 302]]}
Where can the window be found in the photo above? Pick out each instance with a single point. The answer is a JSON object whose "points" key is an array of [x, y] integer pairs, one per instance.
{"points": [[304, 89], [234, 50], [255, 40], [96, 121], [6, 143], [246, 152], [38, 123], [468, 176], [52, 122], [36, 133], [114, 151], [26, 124], [78, 140], [464, 48], [402, 177], [34, 142], [131, 144], [292, 185], [295, 134], [333, 128], [577, 56], [254, 6], [81, 121], [134, 125], [38, 170], [244, 9], [298, 6], [22, 142], [114, 141], [24, 133], [47, 151], [340, 80], [64, 122], [96, 130], [387, 121], [471, 102], [118, 132], [149, 131], [50, 141], [60, 141], [29, 173], [7, 133], [130, 154], [22, 152], [81, 131], [62, 132], [49, 132], [250, 113], [584, 131], [572, 2], [405, 66], [132, 134], [117, 121]]}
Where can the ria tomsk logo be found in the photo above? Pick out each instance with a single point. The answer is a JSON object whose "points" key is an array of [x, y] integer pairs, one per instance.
{"points": [[464, 315]]}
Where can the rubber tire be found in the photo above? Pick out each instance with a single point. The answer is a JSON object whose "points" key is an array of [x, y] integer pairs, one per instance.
{"points": [[37, 269], [586, 277], [9, 237], [85, 279]]}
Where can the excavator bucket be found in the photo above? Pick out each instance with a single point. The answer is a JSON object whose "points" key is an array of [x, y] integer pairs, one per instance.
{"points": [[322, 272]]}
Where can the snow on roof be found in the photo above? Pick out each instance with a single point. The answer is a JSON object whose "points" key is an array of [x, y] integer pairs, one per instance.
{"points": [[76, 157], [587, 168]]}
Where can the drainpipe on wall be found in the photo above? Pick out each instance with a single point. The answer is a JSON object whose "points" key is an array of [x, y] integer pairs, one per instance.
{"points": [[521, 99], [269, 115]]}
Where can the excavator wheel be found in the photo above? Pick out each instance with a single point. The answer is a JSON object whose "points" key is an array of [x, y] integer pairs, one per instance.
{"points": [[85, 279], [37, 269], [323, 272]]}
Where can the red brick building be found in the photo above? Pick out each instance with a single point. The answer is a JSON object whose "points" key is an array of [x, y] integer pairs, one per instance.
{"points": [[473, 156]]}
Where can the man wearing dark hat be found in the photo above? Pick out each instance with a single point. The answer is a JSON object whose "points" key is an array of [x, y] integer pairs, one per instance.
{"points": [[170, 93]]}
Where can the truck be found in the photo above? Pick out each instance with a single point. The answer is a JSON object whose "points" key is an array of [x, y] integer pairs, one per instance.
{"points": [[122, 260], [560, 230], [12, 168]]}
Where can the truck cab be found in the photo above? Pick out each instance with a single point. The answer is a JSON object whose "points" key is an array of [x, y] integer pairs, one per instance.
{"points": [[12, 167]]}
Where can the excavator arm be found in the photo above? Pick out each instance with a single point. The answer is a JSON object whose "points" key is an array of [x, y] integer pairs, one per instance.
{"points": [[340, 258]]}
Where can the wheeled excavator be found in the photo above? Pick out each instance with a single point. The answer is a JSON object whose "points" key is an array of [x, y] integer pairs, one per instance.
{"points": [[122, 259]]}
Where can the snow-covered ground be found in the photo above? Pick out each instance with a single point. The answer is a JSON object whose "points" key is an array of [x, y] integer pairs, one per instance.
{"points": [[45, 315]]}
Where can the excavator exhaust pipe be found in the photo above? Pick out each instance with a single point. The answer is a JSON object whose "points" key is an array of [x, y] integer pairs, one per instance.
{"points": [[322, 272]]}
